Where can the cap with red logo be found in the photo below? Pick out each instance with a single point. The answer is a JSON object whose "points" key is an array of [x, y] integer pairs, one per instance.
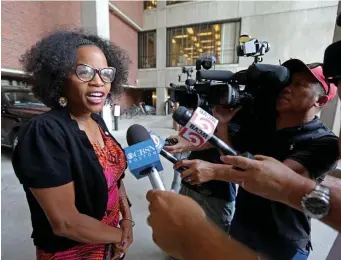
{"points": [[316, 70]]}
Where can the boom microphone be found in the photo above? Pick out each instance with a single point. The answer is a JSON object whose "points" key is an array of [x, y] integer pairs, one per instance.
{"points": [[142, 156], [218, 75]]}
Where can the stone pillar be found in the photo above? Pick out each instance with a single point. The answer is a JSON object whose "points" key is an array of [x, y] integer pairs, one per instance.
{"points": [[161, 90], [95, 19]]}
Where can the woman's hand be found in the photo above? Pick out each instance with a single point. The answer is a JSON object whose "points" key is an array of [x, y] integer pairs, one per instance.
{"points": [[127, 235]]}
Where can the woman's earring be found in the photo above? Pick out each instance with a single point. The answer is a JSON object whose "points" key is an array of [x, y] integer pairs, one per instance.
{"points": [[62, 101]]}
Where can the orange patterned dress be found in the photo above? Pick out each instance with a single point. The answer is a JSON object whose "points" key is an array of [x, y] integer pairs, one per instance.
{"points": [[113, 162]]}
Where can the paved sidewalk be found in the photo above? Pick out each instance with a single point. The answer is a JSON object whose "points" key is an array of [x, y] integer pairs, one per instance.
{"points": [[16, 243]]}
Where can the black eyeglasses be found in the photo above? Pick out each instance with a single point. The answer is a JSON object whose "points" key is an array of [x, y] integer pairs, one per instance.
{"points": [[87, 73]]}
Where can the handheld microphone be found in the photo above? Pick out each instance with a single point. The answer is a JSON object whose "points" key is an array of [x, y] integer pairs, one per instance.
{"points": [[197, 136], [143, 158]]}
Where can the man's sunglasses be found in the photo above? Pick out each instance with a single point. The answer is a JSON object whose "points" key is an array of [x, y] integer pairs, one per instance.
{"points": [[87, 73]]}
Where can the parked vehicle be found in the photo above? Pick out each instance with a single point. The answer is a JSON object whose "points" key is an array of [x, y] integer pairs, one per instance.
{"points": [[18, 105]]}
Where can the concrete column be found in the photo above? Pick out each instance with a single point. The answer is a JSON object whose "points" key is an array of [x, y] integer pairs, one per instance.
{"points": [[161, 5], [95, 19], [330, 115], [161, 90]]}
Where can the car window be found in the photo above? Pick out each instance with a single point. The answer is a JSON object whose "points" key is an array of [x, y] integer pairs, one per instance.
{"points": [[22, 98]]}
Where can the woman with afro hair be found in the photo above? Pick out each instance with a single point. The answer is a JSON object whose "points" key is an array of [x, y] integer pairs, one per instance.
{"points": [[69, 164]]}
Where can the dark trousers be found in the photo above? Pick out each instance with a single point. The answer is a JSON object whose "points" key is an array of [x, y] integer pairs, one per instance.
{"points": [[270, 248]]}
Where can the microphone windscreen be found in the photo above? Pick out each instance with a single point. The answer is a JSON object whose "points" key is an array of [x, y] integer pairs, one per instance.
{"points": [[182, 115], [136, 134]]}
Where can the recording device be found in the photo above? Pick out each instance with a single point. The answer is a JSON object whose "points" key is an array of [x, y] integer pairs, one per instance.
{"points": [[183, 116], [142, 156], [251, 88]]}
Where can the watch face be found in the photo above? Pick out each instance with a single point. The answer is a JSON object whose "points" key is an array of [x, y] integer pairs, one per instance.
{"points": [[317, 206]]}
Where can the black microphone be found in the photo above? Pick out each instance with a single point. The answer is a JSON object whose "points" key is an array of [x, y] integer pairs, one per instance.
{"points": [[218, 75], [182, 115], [137, 134]]}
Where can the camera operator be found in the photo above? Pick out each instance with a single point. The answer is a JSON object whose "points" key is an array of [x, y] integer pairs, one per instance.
{"points": [[298, 139], [283, 185]]}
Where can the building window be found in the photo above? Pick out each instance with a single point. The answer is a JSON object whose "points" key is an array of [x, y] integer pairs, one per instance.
{"points": [[175, 2], [147, 49], [149, 4], [186, 44]]}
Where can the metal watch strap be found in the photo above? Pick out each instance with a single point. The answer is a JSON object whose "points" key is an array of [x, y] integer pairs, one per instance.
{"points": [[321, 190]]}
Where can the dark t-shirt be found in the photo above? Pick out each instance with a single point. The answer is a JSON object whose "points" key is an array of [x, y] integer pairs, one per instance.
{"points": [[315, 147]]}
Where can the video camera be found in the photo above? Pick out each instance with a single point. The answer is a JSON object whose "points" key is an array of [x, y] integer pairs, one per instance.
{"points": [[252, 87]]}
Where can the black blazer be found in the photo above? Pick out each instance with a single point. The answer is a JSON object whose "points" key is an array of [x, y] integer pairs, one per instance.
{"points": [[53, 151]]}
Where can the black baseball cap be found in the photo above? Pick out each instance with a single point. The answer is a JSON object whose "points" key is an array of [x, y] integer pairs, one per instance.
{"points": [[332, 60]]}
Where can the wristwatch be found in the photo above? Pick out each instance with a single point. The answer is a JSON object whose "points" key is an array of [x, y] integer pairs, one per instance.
{"points": [[316, 204]]}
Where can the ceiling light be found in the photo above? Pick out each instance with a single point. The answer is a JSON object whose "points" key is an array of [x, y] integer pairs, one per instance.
{"points": [[190, 30], [216, 27], [217, 36], [194, 38], [204, 33], [197, 45], [203, 41], [181, 36], [173, 41]]}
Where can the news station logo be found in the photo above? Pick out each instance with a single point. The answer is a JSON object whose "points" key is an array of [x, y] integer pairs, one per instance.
{"points": [[158, 141], [200, 128], [141, 154]]}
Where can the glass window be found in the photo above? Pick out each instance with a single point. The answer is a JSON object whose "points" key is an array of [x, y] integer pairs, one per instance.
{"points": [[175, 2], [147, 50], [186, 44], [149, 4]]}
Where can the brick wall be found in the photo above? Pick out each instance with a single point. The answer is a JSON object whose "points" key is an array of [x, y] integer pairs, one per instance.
{"points": [[125, 36], [133, 9], [23, 24], [129, 97]]}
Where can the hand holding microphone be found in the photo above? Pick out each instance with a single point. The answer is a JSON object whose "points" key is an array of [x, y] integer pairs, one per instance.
{"points": [[143, 158], [174, 219], [199, 128]]}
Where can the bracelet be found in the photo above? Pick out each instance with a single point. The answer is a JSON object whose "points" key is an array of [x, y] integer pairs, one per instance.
{"points": [[132, 221]]}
